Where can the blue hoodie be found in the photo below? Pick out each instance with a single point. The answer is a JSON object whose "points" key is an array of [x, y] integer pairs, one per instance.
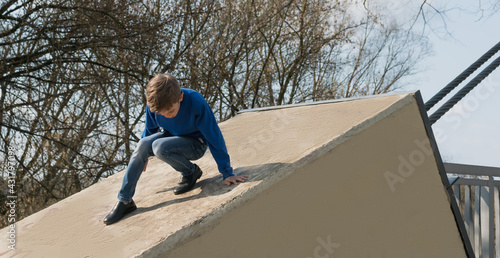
{"points": [[196, 119]]}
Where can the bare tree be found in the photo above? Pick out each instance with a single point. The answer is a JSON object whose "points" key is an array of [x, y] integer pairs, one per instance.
{"points": [[71, 78], [263, 53], [373, 62], [73, 73], [430, 16]]}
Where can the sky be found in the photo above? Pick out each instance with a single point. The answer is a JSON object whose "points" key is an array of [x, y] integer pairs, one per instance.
{"points": [[470, 132]]}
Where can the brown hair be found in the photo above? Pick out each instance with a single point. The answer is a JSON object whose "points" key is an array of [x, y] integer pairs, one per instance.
{"points": [[162, 92]]}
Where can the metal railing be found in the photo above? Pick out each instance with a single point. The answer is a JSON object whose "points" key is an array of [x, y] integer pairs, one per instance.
{"points": [[476, 190]]}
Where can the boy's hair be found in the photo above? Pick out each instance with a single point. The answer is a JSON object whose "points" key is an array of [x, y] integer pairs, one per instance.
{"points": [[162, 92]]}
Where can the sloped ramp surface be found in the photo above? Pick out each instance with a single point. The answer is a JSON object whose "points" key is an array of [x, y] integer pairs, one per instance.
{"points": [[352, 178]]}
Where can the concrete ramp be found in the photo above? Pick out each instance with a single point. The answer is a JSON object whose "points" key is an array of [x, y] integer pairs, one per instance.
{"points": [[350, 178]]}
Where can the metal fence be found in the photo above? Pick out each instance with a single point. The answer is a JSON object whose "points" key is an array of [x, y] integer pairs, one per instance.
{"points": [[476, 190]]}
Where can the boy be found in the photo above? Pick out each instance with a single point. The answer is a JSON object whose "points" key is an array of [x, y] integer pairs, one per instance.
{"points": [[189, 126]]}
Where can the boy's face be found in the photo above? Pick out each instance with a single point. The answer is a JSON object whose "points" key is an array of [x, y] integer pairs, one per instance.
{"points": [[172, 112]]}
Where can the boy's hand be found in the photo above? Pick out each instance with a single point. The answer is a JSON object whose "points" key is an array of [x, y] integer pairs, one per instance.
{"points": [[234, 180]]}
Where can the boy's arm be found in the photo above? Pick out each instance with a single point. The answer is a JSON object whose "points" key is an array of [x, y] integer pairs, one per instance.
{"points": [[206, 123], [151, 125]]}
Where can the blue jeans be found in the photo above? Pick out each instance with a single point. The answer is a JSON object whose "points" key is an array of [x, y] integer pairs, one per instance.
{"points": [[177, 151]]}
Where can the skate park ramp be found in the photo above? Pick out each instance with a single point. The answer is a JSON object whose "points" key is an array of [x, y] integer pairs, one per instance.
{"points": [[348, 178]]}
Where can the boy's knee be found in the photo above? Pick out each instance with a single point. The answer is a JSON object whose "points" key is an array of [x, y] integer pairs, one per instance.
{"points": [[157, 147], [143, 145], [162, 149]]}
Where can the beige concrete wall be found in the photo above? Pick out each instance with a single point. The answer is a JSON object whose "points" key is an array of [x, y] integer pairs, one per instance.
{"points": [[316, 174], [343, 205]]}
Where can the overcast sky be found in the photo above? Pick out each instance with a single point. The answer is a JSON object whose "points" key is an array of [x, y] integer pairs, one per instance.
{"points": [[470, 132]]}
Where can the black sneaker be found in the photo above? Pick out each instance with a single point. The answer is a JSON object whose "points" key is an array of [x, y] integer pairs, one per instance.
{"points": [[120, 210], [187, 182]]}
